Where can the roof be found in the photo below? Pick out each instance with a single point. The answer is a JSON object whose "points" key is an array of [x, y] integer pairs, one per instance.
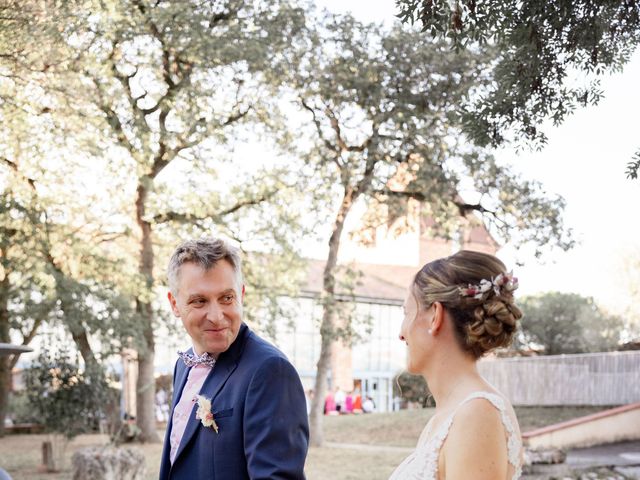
{"points": [[8, 349], [378, 282], [479, 234]]}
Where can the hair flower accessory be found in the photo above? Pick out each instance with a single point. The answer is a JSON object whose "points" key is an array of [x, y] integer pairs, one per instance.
{"points": [[204, 413], [504, 281]]}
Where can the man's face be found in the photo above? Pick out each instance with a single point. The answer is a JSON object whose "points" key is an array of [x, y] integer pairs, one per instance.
{"points": [[209, 302]]}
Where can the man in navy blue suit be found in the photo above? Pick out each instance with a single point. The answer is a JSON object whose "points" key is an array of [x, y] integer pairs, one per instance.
{"points": [[239, 409]]}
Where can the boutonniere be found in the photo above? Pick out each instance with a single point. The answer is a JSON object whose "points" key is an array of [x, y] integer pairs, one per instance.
{"points": [[204, 412]]}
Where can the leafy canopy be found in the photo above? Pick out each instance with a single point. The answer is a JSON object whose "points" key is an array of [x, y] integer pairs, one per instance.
{"points": [[540, 46], [557, 323]]}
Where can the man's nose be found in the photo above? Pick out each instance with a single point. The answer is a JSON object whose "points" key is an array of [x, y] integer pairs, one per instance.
{"points": [[214, 312]]}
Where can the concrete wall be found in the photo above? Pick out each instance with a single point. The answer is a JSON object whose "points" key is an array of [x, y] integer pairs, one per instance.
{"points": [[615, 425]]}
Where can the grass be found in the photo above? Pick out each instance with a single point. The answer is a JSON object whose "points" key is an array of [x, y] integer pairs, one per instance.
{"points": [[403, 428], [21, 455]]}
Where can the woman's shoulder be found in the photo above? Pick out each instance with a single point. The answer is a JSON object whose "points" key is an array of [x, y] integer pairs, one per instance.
{"points": [[478, 421], [481, 409], [477, 437]]}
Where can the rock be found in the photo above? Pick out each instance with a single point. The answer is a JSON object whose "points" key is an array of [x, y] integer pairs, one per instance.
{"points": [[108, 463], [549, 456]]}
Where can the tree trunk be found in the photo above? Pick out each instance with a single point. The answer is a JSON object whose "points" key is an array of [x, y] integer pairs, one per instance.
{"points": [[82, 343], [5, 364], [77, 330], [327, 327], [48, 460], [145, 386], [316, 416]]}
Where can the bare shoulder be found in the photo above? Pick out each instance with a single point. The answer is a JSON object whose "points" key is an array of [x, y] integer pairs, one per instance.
{"points": [[476, 440]]}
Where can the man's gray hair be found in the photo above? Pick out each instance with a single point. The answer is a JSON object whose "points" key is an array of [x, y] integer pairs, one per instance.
{"points": [[205, 252]]}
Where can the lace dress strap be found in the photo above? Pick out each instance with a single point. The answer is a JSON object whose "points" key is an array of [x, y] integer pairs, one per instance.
{"points": [[422, 464], [514, 444]]}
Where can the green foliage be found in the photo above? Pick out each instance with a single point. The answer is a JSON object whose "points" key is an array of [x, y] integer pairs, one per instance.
{"points": [[556, 323], [383, 112], [634, 166], [67, 400], [142, 98], [539, 45], [413, 388], [19, 409]]}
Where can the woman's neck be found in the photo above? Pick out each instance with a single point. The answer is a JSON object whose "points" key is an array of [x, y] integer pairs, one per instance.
{"points": [[451, 378]]}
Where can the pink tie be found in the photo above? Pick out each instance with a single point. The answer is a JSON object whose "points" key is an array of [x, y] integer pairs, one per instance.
{"points": [[182, 412]]}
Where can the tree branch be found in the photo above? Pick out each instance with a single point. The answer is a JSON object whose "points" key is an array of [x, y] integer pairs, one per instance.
{"points": [[26, 340], [186, 217], [15, 168], [335, 124], [235, 117], [327, 143]]}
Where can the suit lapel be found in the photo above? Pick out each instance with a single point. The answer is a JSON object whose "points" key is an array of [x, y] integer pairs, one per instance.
{"points": [[224, 367], [181, 374]]}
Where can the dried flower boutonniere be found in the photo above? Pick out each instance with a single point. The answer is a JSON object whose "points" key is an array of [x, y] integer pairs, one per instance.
{"points": [[205, 414]]}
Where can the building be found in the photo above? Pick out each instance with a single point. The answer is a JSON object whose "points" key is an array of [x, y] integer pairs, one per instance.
{"points": [[387, 264]]}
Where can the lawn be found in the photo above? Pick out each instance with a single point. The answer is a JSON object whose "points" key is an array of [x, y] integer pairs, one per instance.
{"points": [[403, 428], [20, 455]]}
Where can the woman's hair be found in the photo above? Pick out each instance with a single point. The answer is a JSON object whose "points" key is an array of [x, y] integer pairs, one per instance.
{"points": [[477, 291]]}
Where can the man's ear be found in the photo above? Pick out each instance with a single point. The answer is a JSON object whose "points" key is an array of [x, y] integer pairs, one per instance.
{"points": [[242, 294], [174, 304], [437, 321]]}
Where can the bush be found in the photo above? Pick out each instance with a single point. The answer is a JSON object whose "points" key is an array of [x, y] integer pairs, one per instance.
{"points": [[413, 388], [19, 409], [65, 399]]}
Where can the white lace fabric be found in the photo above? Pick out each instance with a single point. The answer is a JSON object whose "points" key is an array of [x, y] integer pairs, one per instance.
{"points": [[422, 463]]}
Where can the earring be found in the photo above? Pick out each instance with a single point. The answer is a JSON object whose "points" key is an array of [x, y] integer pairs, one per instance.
{"points": [[429, 331]]}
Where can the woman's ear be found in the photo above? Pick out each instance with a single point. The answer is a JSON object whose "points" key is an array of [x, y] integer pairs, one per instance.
{"points": [[437, 321]]}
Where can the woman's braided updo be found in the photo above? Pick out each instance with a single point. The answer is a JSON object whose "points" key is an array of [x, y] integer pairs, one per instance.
{"points": [[484, 319]]}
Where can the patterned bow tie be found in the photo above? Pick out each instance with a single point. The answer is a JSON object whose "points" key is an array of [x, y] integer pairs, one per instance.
{"points": [[192, 360]]}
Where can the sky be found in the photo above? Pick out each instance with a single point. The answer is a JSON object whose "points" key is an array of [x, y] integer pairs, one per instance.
{"points": [[584, 162]]}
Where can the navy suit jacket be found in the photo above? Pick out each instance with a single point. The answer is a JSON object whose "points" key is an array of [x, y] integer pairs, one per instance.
{"points": [[259, 406]]}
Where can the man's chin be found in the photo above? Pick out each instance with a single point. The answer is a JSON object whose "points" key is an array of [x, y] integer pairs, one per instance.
{"points": [[217, 348]]}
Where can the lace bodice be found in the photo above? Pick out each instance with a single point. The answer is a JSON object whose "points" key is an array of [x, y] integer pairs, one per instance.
{"points": [[422, 464]]}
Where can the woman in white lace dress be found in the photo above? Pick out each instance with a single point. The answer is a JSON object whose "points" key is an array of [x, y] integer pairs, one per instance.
{"points": [[458, 309]]}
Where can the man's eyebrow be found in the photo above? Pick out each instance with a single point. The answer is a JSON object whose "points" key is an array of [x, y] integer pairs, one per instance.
{"points": [[194, 296], [227, 291]]}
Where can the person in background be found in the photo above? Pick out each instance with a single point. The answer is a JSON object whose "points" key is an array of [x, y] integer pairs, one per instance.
{"points": [[357, 402], [329, 404], [348, 402], [368, 406], [339, 397], [309, 398]]}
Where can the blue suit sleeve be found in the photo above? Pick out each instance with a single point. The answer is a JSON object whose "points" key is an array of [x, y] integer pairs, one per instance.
{"points": [[276, 436]]}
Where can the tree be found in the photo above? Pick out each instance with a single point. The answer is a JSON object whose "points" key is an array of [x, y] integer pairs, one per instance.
{"points": [[159, 88], [384, 129], [56, 268], [556, 323], [68, 401], [52, 272], [26, 301], [539, 45]]}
